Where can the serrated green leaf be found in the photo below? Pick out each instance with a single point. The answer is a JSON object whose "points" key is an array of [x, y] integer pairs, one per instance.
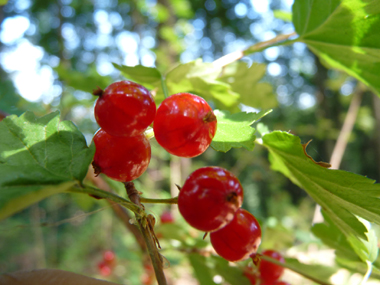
{"points": [[39, 156], [233, 275], [343, 33], [341, 194], [201, 271], [234, 130], [244, 81], [201, 79]]}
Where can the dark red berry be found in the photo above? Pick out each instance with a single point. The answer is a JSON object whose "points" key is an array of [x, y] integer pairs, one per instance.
{"points": [[251, 277], [124, 108], [104, 269], [121, 158], [210, 198], [238, 239], [184, 125], [271, 272], [109, 258], [167, 217]]}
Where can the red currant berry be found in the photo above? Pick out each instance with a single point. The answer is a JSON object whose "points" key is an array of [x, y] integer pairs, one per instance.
{"points": [[104, 269], [121, 158], [124, 108], [167, 218], [238, 239], [210, 198], [184, 125], [109, 258], [251, 277], [270, 272]]}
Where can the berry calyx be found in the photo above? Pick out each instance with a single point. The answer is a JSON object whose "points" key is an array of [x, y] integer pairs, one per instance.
{"points": [[210, 198], [124, 108], [239, 239], [271, 272], [184, 125], [121, 158]]}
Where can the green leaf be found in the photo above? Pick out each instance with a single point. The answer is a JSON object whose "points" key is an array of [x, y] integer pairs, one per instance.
{"points": [[345, 34], [201, 79], [317, 271], [234, 130], [233, 275], [201, 269], [85, 81], [39, 157], [3, 2], [342, 195], [244, 81], [149, 77]]}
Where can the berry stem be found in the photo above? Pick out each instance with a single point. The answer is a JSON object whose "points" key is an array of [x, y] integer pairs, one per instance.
{"points": [[146, 228], [164, 87], [159, 201]]}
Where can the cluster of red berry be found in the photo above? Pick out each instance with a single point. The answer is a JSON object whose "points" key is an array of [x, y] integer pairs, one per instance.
{"points": [[210, 201], [107, 264], [268, 273], [184, 125]]}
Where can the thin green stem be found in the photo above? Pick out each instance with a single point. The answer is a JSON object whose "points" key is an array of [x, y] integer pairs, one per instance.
{"points": [[164, 87], [295, 269], [276, 41], [368, 273], [98, 193], [235, 56], [159, 201]]}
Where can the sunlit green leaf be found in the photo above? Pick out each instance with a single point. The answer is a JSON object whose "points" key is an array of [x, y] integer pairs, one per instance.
{"points": [[201, 79], [39, 157], [345, 34], [234, 130], [342, 195], [244, 81]]}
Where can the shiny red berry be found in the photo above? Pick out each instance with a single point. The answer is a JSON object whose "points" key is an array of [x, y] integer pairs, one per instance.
{"points": [[124, 108], [238, 239], [210, 198], [121, 158], [167, 218], [184, 125], [271, 272]]}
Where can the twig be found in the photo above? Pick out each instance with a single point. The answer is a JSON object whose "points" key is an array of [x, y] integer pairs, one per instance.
{"points": [[145, 229], [236, 55]]}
